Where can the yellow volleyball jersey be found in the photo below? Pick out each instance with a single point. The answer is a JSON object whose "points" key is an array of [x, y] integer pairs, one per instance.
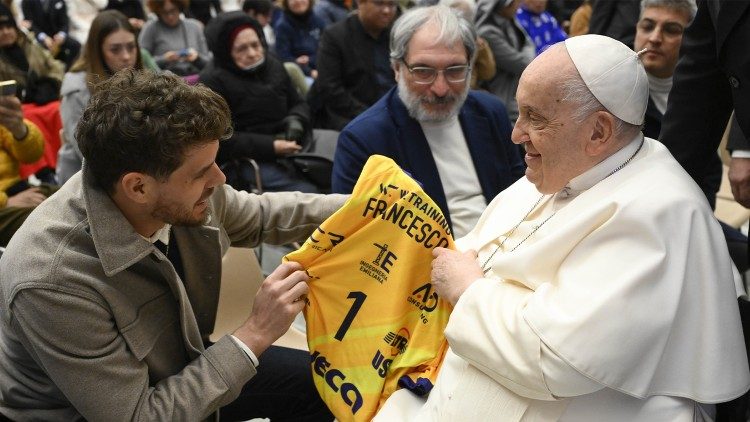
{"points": [[374, 321]]}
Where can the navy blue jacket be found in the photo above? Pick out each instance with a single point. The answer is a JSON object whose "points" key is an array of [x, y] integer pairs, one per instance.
{"points": [[297, 36], [387, 129]]}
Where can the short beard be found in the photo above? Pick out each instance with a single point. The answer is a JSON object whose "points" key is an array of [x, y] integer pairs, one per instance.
{"points": [[177, 216], [413, 103]]}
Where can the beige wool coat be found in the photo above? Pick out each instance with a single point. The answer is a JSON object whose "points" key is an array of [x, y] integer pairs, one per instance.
{"points": [[96, 324]]}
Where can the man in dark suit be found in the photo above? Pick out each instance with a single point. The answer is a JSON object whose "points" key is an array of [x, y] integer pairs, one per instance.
{"points": [[49, 23], [615, 19], [711, 80], [353, 67], [454, 142]]}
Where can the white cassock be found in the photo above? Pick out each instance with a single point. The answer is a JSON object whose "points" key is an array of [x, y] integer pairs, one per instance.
{"points": [[622, 306]]}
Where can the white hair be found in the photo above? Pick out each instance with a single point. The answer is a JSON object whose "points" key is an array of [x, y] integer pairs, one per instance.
{"points": [[575, 91], [452, 28]]}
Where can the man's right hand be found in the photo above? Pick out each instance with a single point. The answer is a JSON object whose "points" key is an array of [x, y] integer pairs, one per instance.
{"points": [[30, 197], [280, 298], [739, 179]]}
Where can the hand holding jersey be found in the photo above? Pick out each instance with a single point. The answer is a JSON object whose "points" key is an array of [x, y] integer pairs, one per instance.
{"points": [[374, 320], [277, 303]]}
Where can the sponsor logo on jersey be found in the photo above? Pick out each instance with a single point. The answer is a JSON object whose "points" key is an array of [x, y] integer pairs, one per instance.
{"points": [[324, 241], [335, 380], [397, 341], [379, 267]]}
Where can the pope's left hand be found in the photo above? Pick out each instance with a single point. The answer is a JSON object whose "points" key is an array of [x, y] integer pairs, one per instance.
{"points": [[453, 272]]}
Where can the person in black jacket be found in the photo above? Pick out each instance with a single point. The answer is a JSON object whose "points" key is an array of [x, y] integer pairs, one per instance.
{"points": [[616, 19], [49, 23], [270, 119], [201, 10], [354, 70], [133, 9], [712, 79]]}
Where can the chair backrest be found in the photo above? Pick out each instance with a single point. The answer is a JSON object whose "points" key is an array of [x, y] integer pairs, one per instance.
{"points": [[241, 277], [316, 168], [243, 174]]}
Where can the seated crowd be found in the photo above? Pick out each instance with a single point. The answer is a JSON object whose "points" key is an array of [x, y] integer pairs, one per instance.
{"points": [[135, 135]]}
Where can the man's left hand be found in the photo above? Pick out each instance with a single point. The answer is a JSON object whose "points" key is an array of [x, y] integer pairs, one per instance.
{"points": [[739, 179], [453, 272]]}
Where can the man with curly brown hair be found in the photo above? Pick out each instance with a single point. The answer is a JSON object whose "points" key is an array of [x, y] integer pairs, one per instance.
{"points": [[110, 289]]}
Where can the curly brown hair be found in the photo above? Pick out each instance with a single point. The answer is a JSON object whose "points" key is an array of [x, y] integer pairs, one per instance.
{"points": [[139, 121], [157, 6]]}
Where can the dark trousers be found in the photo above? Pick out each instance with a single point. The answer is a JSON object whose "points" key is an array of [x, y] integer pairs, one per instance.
{"points": [[282, 390], [11, 219]]}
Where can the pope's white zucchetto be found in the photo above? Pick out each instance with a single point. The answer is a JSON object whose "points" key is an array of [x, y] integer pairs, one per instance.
{"points": [[613, 73]]}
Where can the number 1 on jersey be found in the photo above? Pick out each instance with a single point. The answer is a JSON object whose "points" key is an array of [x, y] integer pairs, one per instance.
{"points": [[359, 299]]}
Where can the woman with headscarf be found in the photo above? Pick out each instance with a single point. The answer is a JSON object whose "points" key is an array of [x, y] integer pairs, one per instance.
{"points": [[177, 43], [270, 118], [36, 73], [111, 46]]}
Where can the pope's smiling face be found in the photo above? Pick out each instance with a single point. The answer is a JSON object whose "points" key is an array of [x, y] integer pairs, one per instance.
{"points": [[555, 144]]}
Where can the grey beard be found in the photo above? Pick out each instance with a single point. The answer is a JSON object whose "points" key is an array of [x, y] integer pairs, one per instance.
{"points": [[413, 103]]}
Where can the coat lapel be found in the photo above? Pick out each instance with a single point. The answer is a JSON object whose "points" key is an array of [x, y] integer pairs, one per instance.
{"points": [[476, 130]]}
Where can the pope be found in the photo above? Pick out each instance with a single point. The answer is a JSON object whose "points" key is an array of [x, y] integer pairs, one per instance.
{"points": [[599, 284]]}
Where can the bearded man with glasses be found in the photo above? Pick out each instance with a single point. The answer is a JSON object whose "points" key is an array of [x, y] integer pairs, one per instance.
{"points": [[453, 141]]}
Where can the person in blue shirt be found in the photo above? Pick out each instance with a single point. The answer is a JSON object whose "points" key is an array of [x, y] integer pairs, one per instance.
{"points": [[541, 26]]}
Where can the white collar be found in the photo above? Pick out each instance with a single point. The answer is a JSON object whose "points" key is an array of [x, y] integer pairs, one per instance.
{"points": [[599, 172], [161, 234]]}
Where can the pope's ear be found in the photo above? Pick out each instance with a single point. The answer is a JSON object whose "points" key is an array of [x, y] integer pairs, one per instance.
{"points": [[602, 133], [136, 186]]}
